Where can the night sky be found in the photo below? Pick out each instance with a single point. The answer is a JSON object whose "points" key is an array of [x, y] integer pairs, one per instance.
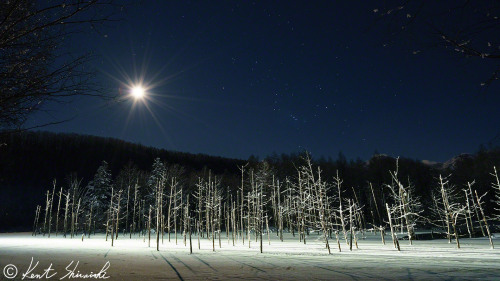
{"points": [[240, 78]]}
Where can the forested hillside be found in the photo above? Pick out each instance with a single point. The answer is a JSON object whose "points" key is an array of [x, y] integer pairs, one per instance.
{"points": [[30, 161]]}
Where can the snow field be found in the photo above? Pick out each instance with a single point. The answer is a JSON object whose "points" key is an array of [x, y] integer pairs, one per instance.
{"points": [[132, 259]]}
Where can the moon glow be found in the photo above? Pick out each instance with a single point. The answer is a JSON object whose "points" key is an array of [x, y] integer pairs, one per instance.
{"points": [[137, 92]]}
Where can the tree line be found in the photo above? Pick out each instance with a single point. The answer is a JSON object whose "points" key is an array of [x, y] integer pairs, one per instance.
{"points": [[161, 204], [31, 160]]}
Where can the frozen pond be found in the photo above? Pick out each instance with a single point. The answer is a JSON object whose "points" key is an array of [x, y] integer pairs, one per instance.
{"points": [[132, 259]]}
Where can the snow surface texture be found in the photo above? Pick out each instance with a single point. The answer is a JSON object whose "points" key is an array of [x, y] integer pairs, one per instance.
{"points": [[132, 259]]}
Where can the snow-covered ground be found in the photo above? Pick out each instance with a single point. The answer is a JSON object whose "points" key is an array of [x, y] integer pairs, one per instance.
{"points": [[132, 259]]}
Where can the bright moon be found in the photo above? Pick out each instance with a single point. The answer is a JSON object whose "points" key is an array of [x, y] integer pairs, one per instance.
{"points": [[137, 92]]}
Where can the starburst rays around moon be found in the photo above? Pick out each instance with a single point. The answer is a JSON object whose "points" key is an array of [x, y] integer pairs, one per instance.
{"points": [[147, 93]]}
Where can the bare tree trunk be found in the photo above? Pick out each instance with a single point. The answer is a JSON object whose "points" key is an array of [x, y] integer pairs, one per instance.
{"points": [[132, 229], [66, 214], [322, 201], [376, 205], [219, 221], [409, 228], [90, 217], [127, 224], [112, 227], [446, 208], [394, 237], [248, 221], [162, 225], [242, 200], [236, 223], [227, 220], [350, 225], [58, 209], [190, 240], [261, 216], [73, 209], [342, 221], [184, 224], [175, 218], [172, 186], [188, 223], [280, 212], [484, 220], [109, 213], [208, 206], [118, 213], [141, 220], [35, 223], [475, 208], [338, 240], [468, 219], [289, 213], [302, 211], [46, 213], [212, 214], [358, 216], [76, 216], [162, 222], [233, 220], [51, 204], [181, 221], [149, 227], [107, 224], [267, 228], [198, 226], [382, 234], [158, 206], [453, 223]]}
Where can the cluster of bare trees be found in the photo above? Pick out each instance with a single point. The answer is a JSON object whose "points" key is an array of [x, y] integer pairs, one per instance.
{"points": [[305, 205], [63, 216], [453, 211], [406, 209]]}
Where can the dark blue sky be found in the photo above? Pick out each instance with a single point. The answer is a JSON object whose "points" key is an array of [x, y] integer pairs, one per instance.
{"points": [[240, 78]]}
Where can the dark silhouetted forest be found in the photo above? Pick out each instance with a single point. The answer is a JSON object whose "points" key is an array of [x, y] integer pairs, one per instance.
{"points": [[30, 161]]}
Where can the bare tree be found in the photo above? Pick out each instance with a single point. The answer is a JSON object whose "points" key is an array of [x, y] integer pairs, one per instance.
{"points": [[35, 64], [315, 193], [66, 210], [188, 217], [135, 206], [466, 28], [51, 204], [159, 206], [47, 202], [242, 168], [35, 223], [484, 217], [338, 183], [450, 208], [407, 203], [380, 227], [58, 209], [393, 232], [171, 207]]}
